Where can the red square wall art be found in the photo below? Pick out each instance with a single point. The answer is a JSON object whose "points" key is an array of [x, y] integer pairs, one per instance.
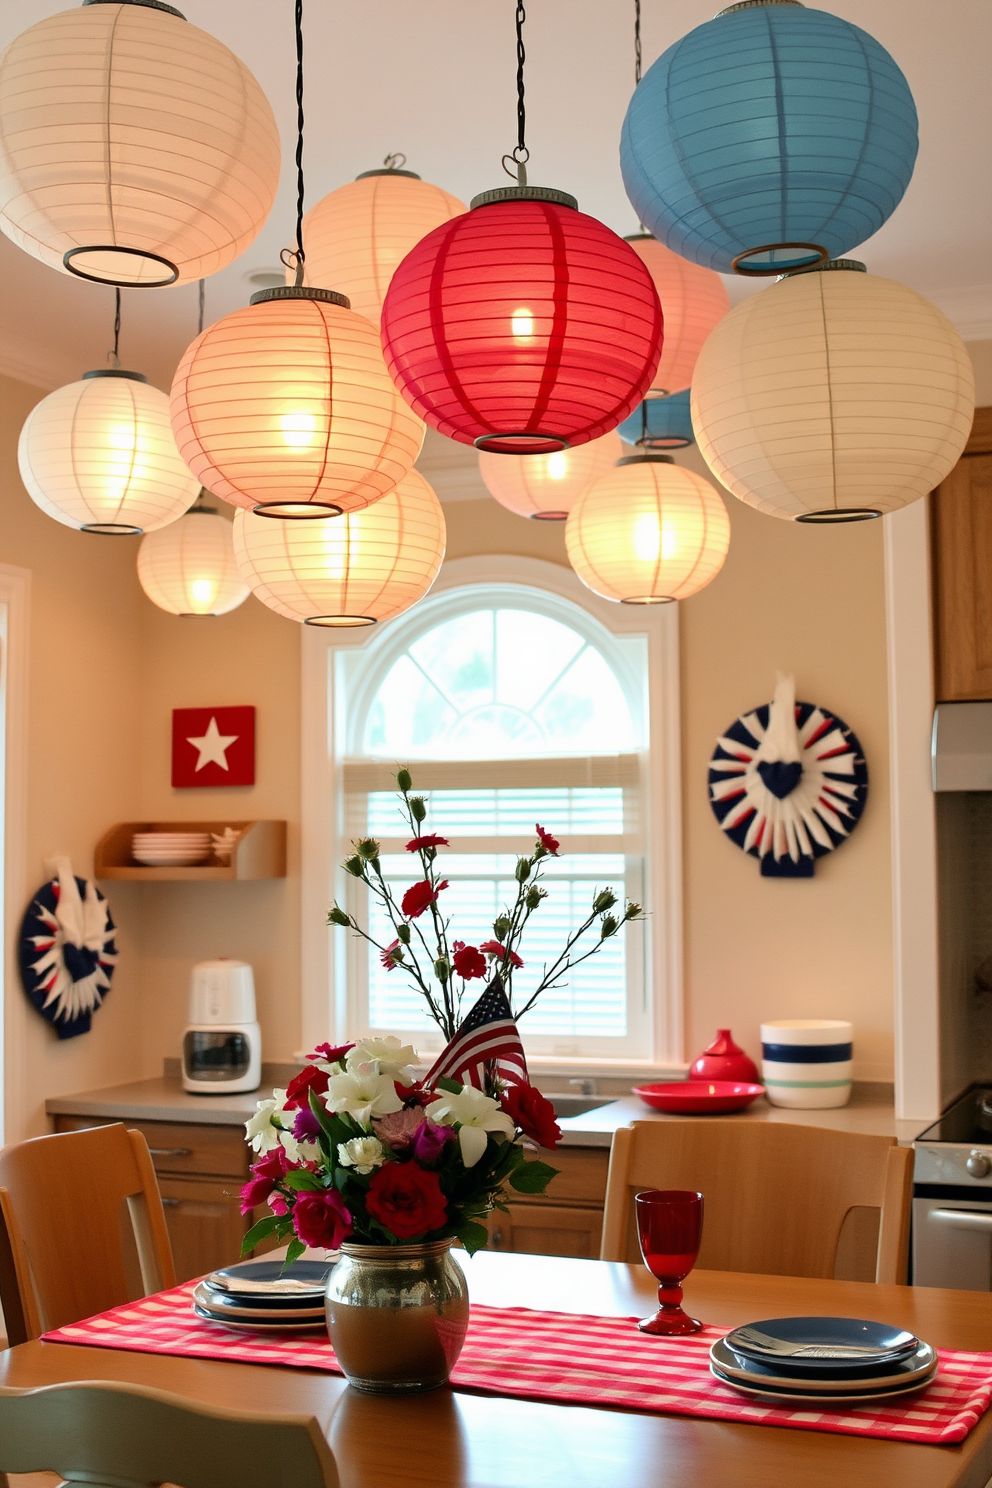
{"points": [[213, 746]]}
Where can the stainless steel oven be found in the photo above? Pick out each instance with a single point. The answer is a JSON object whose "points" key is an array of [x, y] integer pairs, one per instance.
{"points": [[952, 1197]]}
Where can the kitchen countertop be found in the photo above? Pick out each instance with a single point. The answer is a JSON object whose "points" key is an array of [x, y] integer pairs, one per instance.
{"points": [[164, 1099]]}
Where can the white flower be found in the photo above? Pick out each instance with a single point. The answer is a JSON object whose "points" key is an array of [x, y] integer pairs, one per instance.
{"points": [[361, 1153], [363, 1093], [474, 1114], [386, 1056], [262, 1135]]}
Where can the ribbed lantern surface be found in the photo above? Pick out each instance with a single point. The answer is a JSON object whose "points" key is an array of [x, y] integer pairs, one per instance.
{"points": [[130, 134], [189, 568], [833, 395], [288, 405], [773, 123], [546, 487], [648, 532], [354, 570], [523, 326], [660, 423], [693, 300], [357, 235], [99, 455]]}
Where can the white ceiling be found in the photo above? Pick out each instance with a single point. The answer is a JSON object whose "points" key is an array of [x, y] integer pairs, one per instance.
{"points": [[435, 78]]}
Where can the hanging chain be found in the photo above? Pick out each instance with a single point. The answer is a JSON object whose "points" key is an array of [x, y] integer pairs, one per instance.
{"points": [[113, 357], [296, 257], [637, 42], [201, 302], [520, 154]]}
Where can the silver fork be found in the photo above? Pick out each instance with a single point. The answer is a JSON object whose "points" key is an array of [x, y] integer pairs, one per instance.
{"points": [[779, 1347]]}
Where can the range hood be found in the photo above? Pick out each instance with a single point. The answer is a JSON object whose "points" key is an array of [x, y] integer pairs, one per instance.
{"points": [[961, 749]]}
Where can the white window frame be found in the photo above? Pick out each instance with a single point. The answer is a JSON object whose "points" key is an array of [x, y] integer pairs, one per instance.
{"points": [[325, 1010]]}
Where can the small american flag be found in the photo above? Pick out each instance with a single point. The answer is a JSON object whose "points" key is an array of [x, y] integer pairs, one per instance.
{"points": [[487, 1037]]}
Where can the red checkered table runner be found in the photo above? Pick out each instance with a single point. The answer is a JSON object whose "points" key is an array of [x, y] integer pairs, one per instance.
{"points": [[571, 1358]]}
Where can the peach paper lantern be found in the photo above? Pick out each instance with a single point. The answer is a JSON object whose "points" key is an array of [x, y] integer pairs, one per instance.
{"points": [[648, 532], [286, 408], [367, 566], [189, 568], [99, 455], [546, 487], [357, 235], [693, 301], [134, 148]]}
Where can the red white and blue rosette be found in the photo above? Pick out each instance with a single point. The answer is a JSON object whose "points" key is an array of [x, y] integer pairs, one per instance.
{"points": [[791, 792], [67, 952]]}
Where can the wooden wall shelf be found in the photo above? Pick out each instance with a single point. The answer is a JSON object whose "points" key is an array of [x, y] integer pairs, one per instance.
{"points": [[258, 852]]}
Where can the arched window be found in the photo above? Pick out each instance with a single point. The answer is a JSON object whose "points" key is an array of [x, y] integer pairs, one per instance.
{"points": [[512, 707]]}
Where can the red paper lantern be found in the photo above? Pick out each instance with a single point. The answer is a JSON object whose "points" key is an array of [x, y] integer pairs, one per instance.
{"points": [[523, 326]]}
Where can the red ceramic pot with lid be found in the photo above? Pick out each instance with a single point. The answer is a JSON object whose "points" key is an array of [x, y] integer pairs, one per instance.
{"points": [[723, 1060]]}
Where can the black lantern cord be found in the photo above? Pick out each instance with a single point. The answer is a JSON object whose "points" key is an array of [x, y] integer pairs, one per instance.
{"points": [[519, 157], [637, 42], [113, 357], [300, 256], [201, 302]]}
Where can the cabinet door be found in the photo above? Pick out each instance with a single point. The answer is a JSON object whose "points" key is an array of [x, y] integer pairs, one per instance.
{"points": [[205, 1223], [547, 1229], [961, 542]]}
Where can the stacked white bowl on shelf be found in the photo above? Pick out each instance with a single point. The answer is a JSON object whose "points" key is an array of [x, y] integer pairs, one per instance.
{"points": [[170, 849]]}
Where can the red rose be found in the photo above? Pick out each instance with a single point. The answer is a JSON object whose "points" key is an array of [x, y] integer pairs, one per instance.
{"points": [[255, 1192], [406, 1200], [493, 948], [321, 1219], [299, 1088], [265, 1174], [418, 896], [330, 1053], [549, 843], [468, 962], [386, 956], [533, 1113], [419, 842]]}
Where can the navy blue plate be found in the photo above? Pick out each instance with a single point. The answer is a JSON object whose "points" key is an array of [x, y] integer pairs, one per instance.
{"points": [[876, 1342], [302, 1279]]}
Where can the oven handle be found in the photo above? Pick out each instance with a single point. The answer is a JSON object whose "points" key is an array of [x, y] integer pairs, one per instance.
{"points": [[961, 1219]]}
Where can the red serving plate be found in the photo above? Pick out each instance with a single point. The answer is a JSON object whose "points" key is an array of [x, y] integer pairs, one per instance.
{"points": [[697, 1096]]}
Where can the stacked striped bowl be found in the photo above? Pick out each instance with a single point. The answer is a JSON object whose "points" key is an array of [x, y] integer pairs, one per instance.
{"points": [[806, 1062]]}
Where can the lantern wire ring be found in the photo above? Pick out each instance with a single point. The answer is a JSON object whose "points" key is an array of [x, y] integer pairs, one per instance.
{"points": [[395, 161]]}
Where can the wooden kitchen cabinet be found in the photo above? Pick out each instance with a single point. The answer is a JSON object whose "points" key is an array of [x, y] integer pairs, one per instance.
{"points": [[961, 566], [567, 1219]]}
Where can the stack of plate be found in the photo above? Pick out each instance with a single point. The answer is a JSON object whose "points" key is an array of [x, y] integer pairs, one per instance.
{"points": [[822, 1361], [265, 1297], [170, 849]]}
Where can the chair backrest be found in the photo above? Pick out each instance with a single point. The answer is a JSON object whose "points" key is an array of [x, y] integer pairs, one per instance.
{"points": [[108, 1435], [69, 1204], [775, 1195]]}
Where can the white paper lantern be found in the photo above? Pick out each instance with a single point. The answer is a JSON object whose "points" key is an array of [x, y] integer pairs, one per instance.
{"points": [[546, 487], [351, 570], [357, 235], [648, 532], [189, 568], [133, 143], [99, 455], [833, 396]]}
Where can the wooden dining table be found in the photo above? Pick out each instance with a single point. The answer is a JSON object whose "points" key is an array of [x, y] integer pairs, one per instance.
{"points": [[452, 1438]]}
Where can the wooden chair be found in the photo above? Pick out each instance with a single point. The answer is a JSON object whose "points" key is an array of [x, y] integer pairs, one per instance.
{"points": [[107, 1435], [74, 1207], [776, 1196]]}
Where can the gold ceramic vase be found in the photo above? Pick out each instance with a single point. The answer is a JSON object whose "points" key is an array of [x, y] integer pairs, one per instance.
{"points": [[397, 1315]]}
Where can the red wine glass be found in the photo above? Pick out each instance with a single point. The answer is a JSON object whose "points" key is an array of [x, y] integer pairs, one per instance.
{"points": [[670, 1227]]}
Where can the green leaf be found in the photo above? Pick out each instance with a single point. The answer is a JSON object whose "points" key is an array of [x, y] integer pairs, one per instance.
{"points": [[532, 1177], [300, 1180], [473, 1236], [296, 1249], [259, 1231], [453, 1087]]}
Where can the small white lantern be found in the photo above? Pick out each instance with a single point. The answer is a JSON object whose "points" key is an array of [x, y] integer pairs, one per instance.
{"points": [[189, 568]]}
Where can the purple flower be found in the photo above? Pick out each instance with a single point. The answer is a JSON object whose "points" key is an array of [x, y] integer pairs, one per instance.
{"points": [[431, 1141], [399, 1129], [306, 1127]]}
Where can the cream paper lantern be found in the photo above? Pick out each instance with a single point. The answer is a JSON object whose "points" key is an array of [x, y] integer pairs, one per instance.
{"points": [[693, 301], [546, 487], [355, 570], [99, 455], [648, 532], [357, 235], [134, 148], [189, 568], [286, 407], [833, 396]]}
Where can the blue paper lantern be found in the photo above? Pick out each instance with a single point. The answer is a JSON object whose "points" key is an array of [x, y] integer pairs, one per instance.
{"points": [[660, 423], [772, 137]]}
